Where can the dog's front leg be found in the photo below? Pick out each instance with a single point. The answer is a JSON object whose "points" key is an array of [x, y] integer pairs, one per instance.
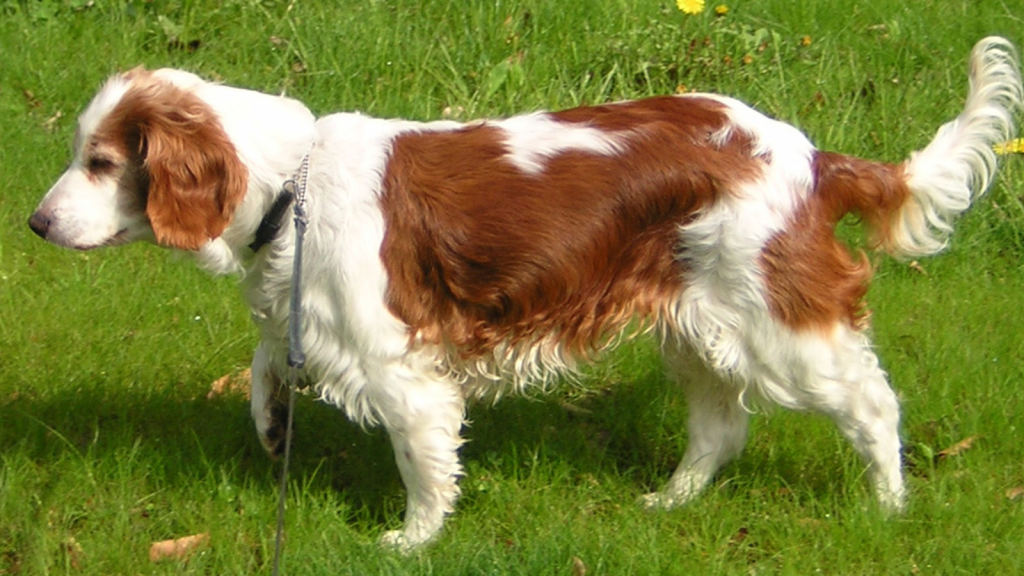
{"points": [[423, 413], [268, 400]]}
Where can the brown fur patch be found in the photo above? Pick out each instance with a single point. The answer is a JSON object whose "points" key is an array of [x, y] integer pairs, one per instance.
{"points": [[478, 252], [193, 178], [813, 280]]}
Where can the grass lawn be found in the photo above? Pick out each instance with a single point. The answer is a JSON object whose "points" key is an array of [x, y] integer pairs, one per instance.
{"points": [[109, 442]]}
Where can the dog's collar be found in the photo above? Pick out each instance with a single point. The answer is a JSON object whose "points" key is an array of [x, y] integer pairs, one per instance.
{"points": [[271, 223]]}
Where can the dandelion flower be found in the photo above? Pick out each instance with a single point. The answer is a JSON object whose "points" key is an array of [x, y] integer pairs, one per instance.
{"points": [[690, 6], [1011, 147], [721, 10], [805, 41]]}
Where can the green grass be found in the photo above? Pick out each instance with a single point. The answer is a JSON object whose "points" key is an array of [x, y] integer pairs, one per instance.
{"points": [[107, 439]]}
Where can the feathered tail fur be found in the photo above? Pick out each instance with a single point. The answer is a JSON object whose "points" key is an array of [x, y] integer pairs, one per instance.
{"points": [[959, 163], [911, 207]]}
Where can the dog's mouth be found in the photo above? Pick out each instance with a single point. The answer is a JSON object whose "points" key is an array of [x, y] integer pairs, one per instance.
{"points": [[44, 225], [119, 238]]}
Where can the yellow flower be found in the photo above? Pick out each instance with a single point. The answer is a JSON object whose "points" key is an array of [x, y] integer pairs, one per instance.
{"points": [[805, 41], [690, 6], [721, 10], [1011, 147]]}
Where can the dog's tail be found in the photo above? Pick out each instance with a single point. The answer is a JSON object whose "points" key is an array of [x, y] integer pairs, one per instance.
{"points": [[910, 207]]}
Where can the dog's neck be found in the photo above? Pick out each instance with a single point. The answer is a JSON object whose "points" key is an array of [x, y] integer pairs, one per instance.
{"points": [[271, 134]]}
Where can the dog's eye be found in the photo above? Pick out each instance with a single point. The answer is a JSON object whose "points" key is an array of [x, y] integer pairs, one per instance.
{"points": [[99, 164]]}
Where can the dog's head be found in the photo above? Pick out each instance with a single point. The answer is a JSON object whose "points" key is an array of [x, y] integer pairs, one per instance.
{"points": [[151, 162]]}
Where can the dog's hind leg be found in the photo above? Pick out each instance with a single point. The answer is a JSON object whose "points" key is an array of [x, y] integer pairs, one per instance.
{"points": [[845, 382], [717, 428], [835, 372]]}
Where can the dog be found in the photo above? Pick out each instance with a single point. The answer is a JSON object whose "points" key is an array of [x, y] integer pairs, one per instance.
{"points": [[449, 261]]}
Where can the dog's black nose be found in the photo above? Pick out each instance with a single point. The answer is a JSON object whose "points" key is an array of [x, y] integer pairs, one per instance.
{"points": [[39, 224]]}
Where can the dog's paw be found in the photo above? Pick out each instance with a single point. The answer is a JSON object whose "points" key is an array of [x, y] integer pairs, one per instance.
{"points": [[893, 503], [663, 500], [397, 541], [273, 437], [656, 501]]}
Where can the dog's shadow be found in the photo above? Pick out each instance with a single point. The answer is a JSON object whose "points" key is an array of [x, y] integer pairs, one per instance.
{"points": [[621, 425]]}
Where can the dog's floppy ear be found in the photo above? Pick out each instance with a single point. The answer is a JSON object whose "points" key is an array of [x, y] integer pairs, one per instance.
{"points": [[195, 178]]}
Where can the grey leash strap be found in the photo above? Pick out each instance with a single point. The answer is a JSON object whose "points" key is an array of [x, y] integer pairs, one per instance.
{"points": [[296, 356]]}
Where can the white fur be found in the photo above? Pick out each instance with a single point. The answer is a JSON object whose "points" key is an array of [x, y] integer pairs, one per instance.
{"points": [[719, 336], [722, 247], [101, 105], [959, 164], [533, 138]]}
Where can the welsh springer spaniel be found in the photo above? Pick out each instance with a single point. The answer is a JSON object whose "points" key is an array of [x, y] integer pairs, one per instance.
{"points": [[449, 261]]}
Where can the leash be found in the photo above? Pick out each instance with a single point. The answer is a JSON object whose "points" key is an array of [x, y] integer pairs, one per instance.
{"points": [[296, 356]]}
